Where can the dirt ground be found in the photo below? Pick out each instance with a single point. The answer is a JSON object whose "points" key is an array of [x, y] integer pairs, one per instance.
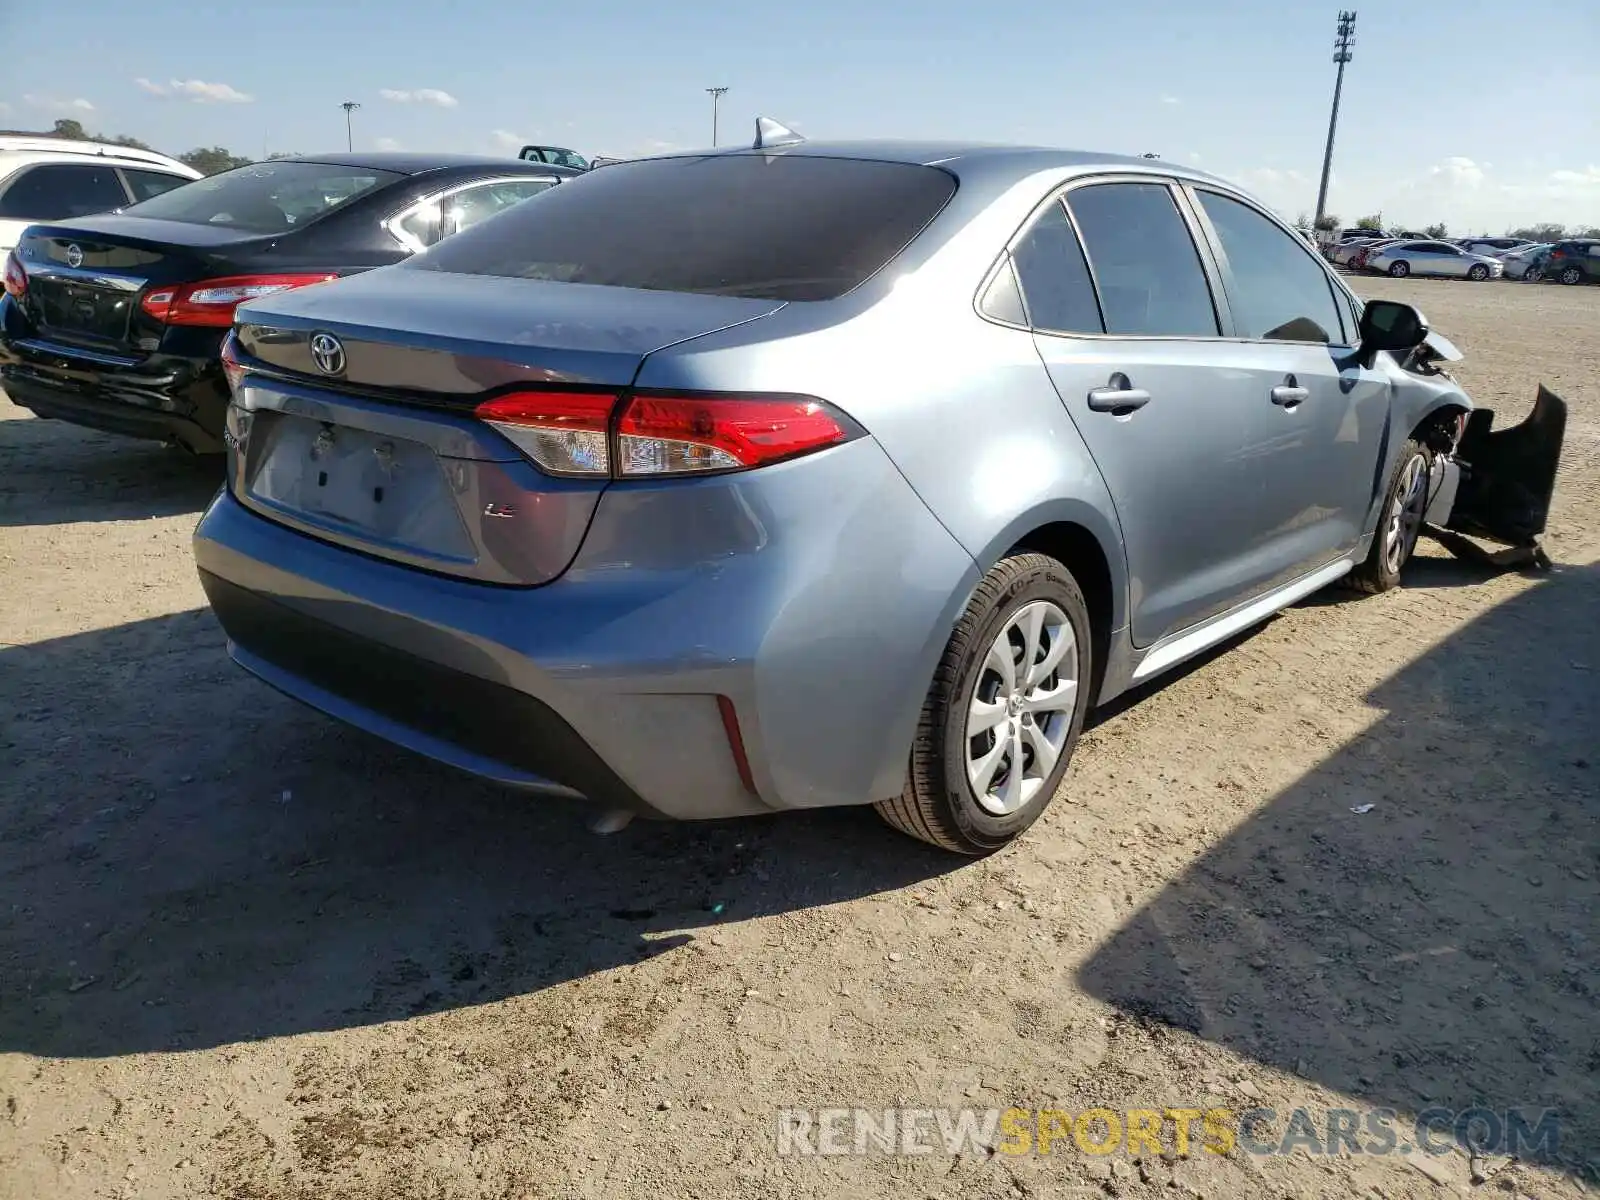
{"points": [[248, 953]]}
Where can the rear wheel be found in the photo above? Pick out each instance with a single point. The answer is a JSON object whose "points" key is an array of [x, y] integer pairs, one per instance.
{"points": [[1003, 715], [1570, 275], [1400, 269], [1404, 506], [1478, 272]]}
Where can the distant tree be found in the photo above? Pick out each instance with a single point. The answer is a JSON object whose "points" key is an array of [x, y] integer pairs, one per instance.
{"points": [[66, 127], [1546, 232], [1436, 230], [1327, 221], [1303, 220], [123, 139], [1373, 222], [212, 160], [1592, 232], [277, 154]]}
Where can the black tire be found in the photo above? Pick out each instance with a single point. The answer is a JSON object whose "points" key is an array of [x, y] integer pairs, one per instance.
{"points": [[1380, 572], [1570, 275], [1477, 272], [1400, 269], [938, 805]]}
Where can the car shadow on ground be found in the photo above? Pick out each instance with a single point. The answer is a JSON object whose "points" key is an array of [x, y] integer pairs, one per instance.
{"points": [[52, 473], [1439, 949], [190, 859]]}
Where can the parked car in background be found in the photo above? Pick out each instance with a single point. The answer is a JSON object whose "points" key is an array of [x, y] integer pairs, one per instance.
{"points": [[57, 179], [556, 155], [116, 322], [1359, 258], [1344, 252], [1526, 260], [1574, 260], [804, 474], [1493, 247], [1433, 258]]}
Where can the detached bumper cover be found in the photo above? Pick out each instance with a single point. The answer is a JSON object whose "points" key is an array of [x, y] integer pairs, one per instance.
{"points": [[1508, 476]]}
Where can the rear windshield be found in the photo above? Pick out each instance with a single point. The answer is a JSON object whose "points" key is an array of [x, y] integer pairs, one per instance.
{"points": [[780, 227], [266, 197]]}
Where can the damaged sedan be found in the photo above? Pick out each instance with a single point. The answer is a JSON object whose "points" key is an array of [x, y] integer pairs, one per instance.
{"points": [[798, 474]]}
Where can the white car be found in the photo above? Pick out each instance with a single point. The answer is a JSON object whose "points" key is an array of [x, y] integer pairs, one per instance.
{"points": [[54, 179], [1518, 261], [1493, 247], [1434, 258]]}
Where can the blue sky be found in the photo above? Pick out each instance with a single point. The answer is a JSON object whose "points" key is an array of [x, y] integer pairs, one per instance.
{"points": [[1454, 110]]}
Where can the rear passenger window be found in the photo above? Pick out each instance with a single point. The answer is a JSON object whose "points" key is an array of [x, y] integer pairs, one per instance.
{"points": [[1001, 299], [1145, 263], [1055, 278], [1278, 292]]}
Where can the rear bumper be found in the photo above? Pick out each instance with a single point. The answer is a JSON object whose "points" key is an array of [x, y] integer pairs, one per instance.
{"points": [[816, 596], [163, 397]]}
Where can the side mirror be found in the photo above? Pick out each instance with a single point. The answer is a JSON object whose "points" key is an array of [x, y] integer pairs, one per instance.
{"points": [[1390, 325]]}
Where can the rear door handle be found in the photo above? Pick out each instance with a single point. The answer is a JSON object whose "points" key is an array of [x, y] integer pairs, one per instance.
{"points": [[1289, 395], [1118, 400]]}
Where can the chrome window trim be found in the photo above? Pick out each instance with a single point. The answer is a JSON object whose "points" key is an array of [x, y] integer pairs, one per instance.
{"points": [[414, 244]]}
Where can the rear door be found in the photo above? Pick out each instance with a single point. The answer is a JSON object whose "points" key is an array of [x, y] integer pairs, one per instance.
{"points": [[1317, 417], [1125, 320]]}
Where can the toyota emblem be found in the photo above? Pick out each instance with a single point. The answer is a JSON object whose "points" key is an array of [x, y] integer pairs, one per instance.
{"points": [[327, 353], [74, 255]]}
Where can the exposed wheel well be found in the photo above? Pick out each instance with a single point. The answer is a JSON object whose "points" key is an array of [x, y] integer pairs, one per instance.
{"points": [[1440, 428], [1078, 549]]}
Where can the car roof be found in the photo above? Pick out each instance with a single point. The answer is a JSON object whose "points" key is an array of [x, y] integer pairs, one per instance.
{"points": [[405, 162], [37, 146], [966, 158]]}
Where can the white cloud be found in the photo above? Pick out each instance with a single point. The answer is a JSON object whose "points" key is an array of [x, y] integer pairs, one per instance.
{"points": [[434, 96], [388, 143], [1458, 172], [1194, 157], [4, 108], [197, 91], [51, 104], [504, 139], [1166, 99]]}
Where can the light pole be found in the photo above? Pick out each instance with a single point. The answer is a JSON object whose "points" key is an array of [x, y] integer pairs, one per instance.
{"points": [[349, 107], [716, 94], [1343, 39]]}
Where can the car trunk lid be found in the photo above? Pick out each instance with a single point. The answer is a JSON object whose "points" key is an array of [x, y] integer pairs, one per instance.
{"points": [[371, 443], [86, 279]]}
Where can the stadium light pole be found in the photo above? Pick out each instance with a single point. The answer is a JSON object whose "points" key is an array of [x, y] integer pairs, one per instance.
{"points": [[349, 107], [716, 95], [1344, 38]]}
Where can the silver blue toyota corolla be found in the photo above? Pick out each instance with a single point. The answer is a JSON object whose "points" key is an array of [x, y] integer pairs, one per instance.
{"points": [[817, 474]]}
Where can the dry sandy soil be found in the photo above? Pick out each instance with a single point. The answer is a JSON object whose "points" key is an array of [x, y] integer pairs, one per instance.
{"points": [[249, 953]]}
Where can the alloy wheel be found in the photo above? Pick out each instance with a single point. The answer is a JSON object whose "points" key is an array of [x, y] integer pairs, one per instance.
{"points": [[1406, 511], [1021, 707]]}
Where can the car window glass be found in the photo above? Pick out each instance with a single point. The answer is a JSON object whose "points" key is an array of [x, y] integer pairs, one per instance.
{"points": [[471, 205], [780, 227], [266, 197], [146, 184], [1278, 291], [56, 191], [1054, 276], [1145, 264], [1001, 299]]}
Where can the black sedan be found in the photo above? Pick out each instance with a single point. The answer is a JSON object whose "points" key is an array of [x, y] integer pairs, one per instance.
{"points": [[116, 322]]}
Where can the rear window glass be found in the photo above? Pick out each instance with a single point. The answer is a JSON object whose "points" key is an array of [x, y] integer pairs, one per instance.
{"points": [[780, 227], [268, 197]]}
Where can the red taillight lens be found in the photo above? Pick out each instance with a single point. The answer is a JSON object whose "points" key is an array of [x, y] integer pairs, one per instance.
{"points": [[563, 432], [571, 433], [16, 277], [230, 361], [679, 435], [211, 302]]}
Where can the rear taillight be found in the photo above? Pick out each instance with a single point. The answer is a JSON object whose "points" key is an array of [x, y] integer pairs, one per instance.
{"points": [[16, 277], [230, 361], [211, 301], [680, 435], [565, 433], [603, 434]]}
